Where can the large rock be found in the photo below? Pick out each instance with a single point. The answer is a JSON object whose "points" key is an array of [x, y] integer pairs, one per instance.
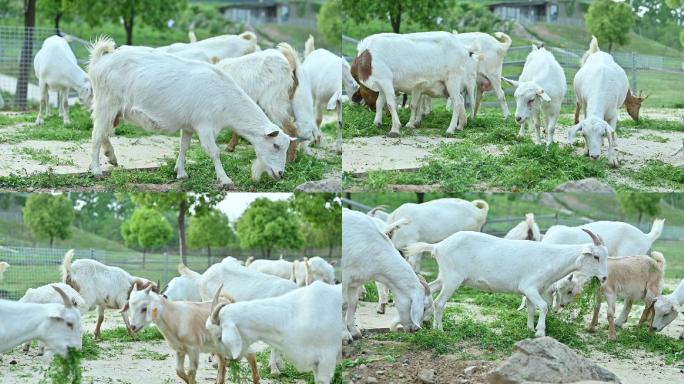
{"points": [[591, 184], [546, 360], [333, 184]]}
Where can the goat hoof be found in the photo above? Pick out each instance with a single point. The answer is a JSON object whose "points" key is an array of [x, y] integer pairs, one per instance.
{"points": [[393, 134]]}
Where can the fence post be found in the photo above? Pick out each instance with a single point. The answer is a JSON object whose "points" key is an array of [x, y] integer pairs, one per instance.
{"points": [[634, 72], [166, 269]]}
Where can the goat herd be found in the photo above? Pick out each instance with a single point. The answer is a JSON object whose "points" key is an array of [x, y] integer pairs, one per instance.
{"points": [[453, 65], [304, 315], [200, 88]]}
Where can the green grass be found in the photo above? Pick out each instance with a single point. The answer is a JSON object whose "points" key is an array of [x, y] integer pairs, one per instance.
{"points": [[290, 374], [121, 334], [44, 156], [146, 354]]}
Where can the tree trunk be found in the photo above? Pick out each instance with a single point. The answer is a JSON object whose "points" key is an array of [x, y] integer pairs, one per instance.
{"points": [[268, 253], [25, 66], [420, 196], [610, 46], [128, 25], [396, 20], [144, 257], [208, 257], [330, 249], [640, 214], [182, 210], [52, 238], [58, 17]]}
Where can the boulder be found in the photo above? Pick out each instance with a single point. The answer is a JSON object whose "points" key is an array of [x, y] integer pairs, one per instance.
{"points": [[546, 360], [333, 184], [591, 184]]}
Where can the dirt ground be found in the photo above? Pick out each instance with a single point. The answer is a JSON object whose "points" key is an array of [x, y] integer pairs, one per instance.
{"points": [[393, 362], [119, 362], [132, 153], [363, 154]]}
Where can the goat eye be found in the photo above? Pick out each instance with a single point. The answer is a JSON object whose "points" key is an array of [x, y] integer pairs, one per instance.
{"points": [[597, 258], [70, 325], [276, 146], [570, 292], [143, 310]]}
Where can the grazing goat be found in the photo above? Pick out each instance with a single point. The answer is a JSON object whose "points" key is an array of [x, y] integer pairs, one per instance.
{"points": [[305, 325], [56, 325], [622, 239], [275, 80], [3, 267], [214, 49], [492, 264], [540, 89], [666, 308], [313, 269], [56, 69], [368, 254], [281, 268], [101, 286], [47, 294], [182, 288], [243, 284], [431, 63], [600, 88], [160, 91], [525, 230], [327, 74], [182, 324], [434, 221], [630, 278]]}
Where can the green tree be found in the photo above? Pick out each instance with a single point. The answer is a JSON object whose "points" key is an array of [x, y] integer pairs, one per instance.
{"points": [[418, 11], [268, 224], [640, 204], [147, 228], [323, 211], [49, 216], [470, 17], [210, 230], [329, 21], [154, 13], [610, 22], [678, 4], [182, 204], [55, 9]]}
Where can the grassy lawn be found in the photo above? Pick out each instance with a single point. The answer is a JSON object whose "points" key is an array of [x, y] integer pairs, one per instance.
{"points": [[519, 164]]}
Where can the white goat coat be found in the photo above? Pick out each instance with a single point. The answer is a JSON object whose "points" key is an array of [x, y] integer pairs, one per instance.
{"points": [[281, 268], [214, 48], [622, 239], [305, 325], [182, 288], [46, 294]]}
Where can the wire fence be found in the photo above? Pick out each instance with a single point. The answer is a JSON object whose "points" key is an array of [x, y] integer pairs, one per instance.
{"points": [[16, 62], [34, 267]]}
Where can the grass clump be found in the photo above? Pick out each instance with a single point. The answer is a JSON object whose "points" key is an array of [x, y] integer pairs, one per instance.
{"points": [[289, 374], [44, 156], [121, 334], [657, 173], [64, 370]]}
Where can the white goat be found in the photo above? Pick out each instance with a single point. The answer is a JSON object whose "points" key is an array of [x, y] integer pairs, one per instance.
{"points": [[316, 268], [322, 69], [600, 88], [56, 69], [57, 325], [622, 239], [281, 268], [242, 284], [3, 267], [368, 254], [305, 325], [159, 91], [182, 288], [101, 286], [540, 89], [493, 264], [47, 294], [666, 308], [489, 68], [431, 63], [631, 278], [274, 79], [434, 221], [525, 230], [182, 324], [214, 49]]}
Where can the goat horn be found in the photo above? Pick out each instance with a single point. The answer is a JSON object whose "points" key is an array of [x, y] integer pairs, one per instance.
{"points": [[594, 237], [426, 287], [65, 298], [214, 316]]}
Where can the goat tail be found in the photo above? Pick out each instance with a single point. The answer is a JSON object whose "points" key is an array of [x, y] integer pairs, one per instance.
{"points": [[506, 40], [249, 261], [416, 248], [659, 259], [481, 204], [290, 54], [593, 46], [248, 35], [191, 36], [65, 268], [187, 272], [309, 46], [656, 229], [100, 47]]}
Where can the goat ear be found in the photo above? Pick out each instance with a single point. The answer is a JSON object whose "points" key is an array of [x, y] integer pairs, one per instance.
{"points": [[332, 103], [232, 339], [513, 83], [416, 313], [572, 132], [570, 277], [543, 95], [125, 308], [271, 131]]}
